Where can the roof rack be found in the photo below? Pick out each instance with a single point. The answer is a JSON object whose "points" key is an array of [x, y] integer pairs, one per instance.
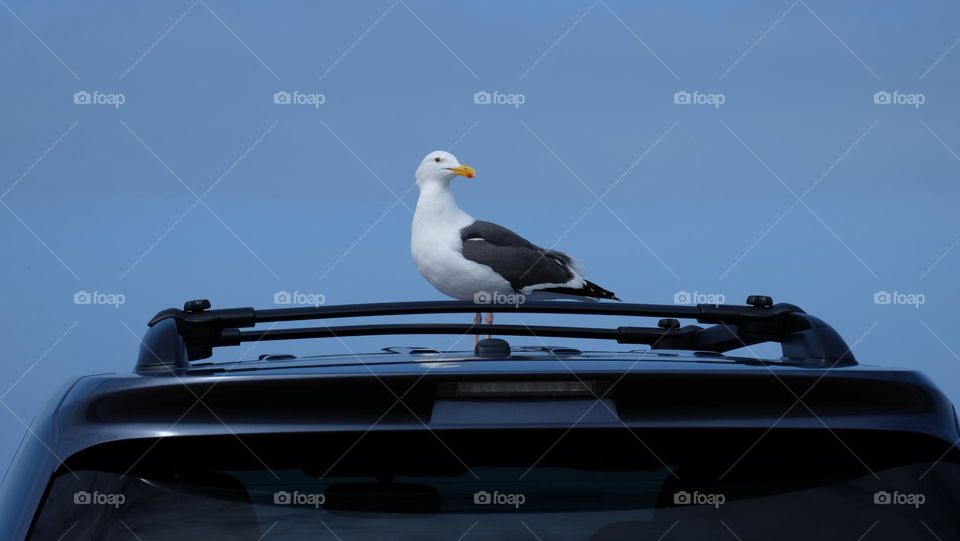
{"points": [[176, 337]]}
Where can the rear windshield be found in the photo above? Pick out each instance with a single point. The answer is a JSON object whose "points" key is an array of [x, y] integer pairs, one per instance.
{"points": [[525, 485]]}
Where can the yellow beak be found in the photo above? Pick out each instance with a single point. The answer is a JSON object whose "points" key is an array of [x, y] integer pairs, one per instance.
{"points": [[464, 171]]}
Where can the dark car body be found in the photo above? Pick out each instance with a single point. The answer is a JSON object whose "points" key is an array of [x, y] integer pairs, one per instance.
{"points": [[538, 443]]}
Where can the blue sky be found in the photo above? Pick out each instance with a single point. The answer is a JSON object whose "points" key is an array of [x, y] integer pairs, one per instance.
{"points": [[798, 185]]}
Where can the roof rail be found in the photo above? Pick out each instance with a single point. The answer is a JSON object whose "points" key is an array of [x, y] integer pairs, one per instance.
{"points": [[176, 337]]}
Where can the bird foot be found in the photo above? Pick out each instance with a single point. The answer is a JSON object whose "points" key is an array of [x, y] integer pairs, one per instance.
{"points": [[477, 320]]}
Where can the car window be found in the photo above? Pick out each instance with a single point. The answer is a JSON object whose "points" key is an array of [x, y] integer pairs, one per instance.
{"points": [[582, 485]]}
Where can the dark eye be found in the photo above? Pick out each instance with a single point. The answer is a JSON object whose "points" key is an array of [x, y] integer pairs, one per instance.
{"points": [[437, 159]]}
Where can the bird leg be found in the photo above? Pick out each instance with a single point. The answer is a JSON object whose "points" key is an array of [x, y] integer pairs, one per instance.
{"points": [[477, 319], [489, 321]]}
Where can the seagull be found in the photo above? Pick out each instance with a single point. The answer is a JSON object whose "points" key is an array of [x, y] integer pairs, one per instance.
{"points": [[475, 260]]}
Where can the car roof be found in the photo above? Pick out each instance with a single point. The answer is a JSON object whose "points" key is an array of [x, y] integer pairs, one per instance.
{"points": [[673, 383], [350, 393], [547, 357]]}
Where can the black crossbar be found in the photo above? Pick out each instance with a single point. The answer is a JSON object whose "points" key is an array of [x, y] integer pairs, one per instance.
{"points": [[177, 337]]}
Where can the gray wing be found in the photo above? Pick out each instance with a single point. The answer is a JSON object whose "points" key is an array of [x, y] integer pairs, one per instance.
{"points": [[519, 261]]}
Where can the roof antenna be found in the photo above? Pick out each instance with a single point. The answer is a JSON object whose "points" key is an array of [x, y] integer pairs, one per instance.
{"points": [[492, 347]]}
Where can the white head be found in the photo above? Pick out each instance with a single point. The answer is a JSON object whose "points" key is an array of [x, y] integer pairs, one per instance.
{"points": [[441, 167]]}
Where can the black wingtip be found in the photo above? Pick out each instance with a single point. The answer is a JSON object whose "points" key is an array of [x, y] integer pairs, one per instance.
{"points": [[593, 290], [589, 289]]}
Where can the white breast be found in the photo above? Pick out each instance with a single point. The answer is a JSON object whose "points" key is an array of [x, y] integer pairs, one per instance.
{"points": [[437, 251]]}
